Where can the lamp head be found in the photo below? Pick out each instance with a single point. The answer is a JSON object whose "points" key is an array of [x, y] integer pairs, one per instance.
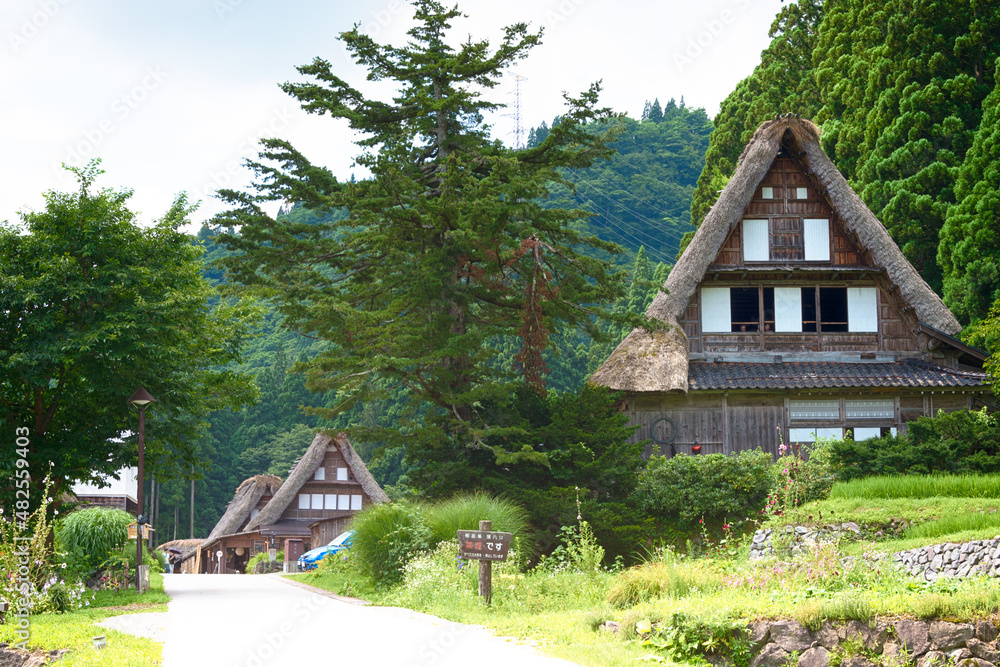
{"points": [[141, 398]]}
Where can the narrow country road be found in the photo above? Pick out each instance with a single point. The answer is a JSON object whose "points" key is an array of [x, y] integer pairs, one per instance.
{"points": [[260, 621]]}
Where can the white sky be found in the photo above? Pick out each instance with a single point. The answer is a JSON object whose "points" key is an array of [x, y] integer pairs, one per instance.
{"points": [[174, 94]]}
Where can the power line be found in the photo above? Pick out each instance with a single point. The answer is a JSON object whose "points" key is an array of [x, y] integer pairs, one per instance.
{"points": [[670, 232]]}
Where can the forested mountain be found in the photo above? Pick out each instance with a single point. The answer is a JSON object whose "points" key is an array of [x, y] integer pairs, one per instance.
{"points": [[904, 93], [642, 196]]}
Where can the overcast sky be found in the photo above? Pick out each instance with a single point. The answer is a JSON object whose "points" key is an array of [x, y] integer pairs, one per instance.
{"points": [[173, 95]]}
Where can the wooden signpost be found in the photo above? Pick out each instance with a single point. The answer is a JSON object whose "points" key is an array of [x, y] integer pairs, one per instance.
{"points": [[486, 546]]}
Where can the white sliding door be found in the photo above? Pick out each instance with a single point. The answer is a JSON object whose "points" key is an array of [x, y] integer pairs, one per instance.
{"points": [[862, 310], [715, 310], [788, 309]]}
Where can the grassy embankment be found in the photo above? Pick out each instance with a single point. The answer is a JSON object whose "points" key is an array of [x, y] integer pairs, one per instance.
{"points": [[76, 630], [698, 602]]}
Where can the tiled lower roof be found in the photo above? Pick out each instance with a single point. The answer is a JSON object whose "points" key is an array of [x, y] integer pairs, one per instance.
{"points": [[809, 375]]}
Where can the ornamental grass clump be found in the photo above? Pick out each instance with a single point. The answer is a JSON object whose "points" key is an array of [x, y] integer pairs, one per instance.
{"points": [[91, 536], [465, 511], [919, 486], [386, 537]]}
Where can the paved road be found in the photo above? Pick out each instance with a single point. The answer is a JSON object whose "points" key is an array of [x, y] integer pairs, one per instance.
{"points": [[261, 621]]}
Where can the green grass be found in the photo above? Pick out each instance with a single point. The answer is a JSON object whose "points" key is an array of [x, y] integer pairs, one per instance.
{"points": [[920, 486], [874, 511], [76, 630]]}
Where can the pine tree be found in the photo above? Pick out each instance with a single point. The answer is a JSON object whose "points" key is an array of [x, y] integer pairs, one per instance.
{"points": [[444, 250], [655, 112]]}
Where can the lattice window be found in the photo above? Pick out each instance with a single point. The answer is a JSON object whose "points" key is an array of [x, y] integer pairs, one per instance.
{"points": [[876, 408], [814, 410]]}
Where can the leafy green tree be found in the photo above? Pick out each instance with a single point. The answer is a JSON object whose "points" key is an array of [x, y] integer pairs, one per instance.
{"points": [[444, 249], [969, 252], [94, 307]]}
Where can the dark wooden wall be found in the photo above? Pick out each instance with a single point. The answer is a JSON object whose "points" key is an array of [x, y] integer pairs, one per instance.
{"points": [[731, 422]]}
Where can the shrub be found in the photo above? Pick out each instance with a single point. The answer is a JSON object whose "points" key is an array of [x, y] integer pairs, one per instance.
{"points": [[263, 557], [800, 478], [90, 536], [465, 511], [687, 488], [386, 537], [956, 442]]}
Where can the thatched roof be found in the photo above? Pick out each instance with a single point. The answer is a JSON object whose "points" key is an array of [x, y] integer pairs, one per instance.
{"points": [[629, 368], [304, 471], [185, 546], [647, 361], [247, 496]]}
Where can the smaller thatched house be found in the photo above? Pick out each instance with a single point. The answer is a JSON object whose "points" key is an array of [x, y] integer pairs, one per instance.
{"points": [[327, 486], [791, 315]]}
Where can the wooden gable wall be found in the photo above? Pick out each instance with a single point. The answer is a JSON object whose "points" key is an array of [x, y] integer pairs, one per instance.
{"points": [[848, 266], [333, 461]]}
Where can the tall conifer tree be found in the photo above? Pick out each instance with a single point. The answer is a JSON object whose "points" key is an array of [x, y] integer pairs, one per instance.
{"points": [[444, 251]]}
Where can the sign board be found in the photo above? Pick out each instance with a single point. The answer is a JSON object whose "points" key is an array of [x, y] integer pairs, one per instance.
{"points": [[483, 545]]}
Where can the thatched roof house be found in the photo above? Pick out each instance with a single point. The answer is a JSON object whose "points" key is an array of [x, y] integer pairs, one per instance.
{"points": [[327, 486], [789, 268]]}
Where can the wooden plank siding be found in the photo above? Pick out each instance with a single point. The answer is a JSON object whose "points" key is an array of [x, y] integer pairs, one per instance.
{"points": [[735, 421]]}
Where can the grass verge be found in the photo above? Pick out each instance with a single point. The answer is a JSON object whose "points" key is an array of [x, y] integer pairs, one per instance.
{"points": [[76, 630]]}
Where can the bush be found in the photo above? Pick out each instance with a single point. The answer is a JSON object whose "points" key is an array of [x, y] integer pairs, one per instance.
{"points": [[956, 442], [386, 537], [800, 478], [465, 511], [263, 557], [90, 536], [715, 487]]}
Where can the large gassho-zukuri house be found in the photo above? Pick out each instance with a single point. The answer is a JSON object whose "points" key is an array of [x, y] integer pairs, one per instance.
{"points": [[791, 315]]}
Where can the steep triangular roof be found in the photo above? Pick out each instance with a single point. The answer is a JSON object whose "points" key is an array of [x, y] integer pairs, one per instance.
{"points": [[244, 501], [304, 471], [653, 362]]}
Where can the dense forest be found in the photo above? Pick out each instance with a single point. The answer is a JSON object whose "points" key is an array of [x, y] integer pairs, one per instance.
{"points": [[640, 199]]}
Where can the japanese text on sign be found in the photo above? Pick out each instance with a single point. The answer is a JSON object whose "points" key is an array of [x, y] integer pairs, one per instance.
{"points": [[480, 545]]}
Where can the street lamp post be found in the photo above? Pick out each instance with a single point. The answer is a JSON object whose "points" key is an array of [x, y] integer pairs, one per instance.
{"points": [[140, 399]]}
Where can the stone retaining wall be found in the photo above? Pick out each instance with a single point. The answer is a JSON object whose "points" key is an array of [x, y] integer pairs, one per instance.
{"points": [[930, 562], [952, 560], [901, 642]]}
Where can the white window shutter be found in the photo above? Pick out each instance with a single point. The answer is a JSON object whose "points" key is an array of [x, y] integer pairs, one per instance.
{"points": [[341, 474], [829, 433], [767, 193], [355, 502], [862, 312], [343, 502], [320, 474], [865, 432], [788, 309], [817, 239], [715, 310], [317, 501], [802, 193], [330, 501], [755, 246], [303, 501]]}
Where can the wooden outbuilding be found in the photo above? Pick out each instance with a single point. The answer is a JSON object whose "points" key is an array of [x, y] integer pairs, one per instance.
{"points": [[791, 315], [324, 490]]}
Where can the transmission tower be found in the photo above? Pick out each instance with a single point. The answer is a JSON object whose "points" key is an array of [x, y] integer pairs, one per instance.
{"points": [[518, 128]]}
